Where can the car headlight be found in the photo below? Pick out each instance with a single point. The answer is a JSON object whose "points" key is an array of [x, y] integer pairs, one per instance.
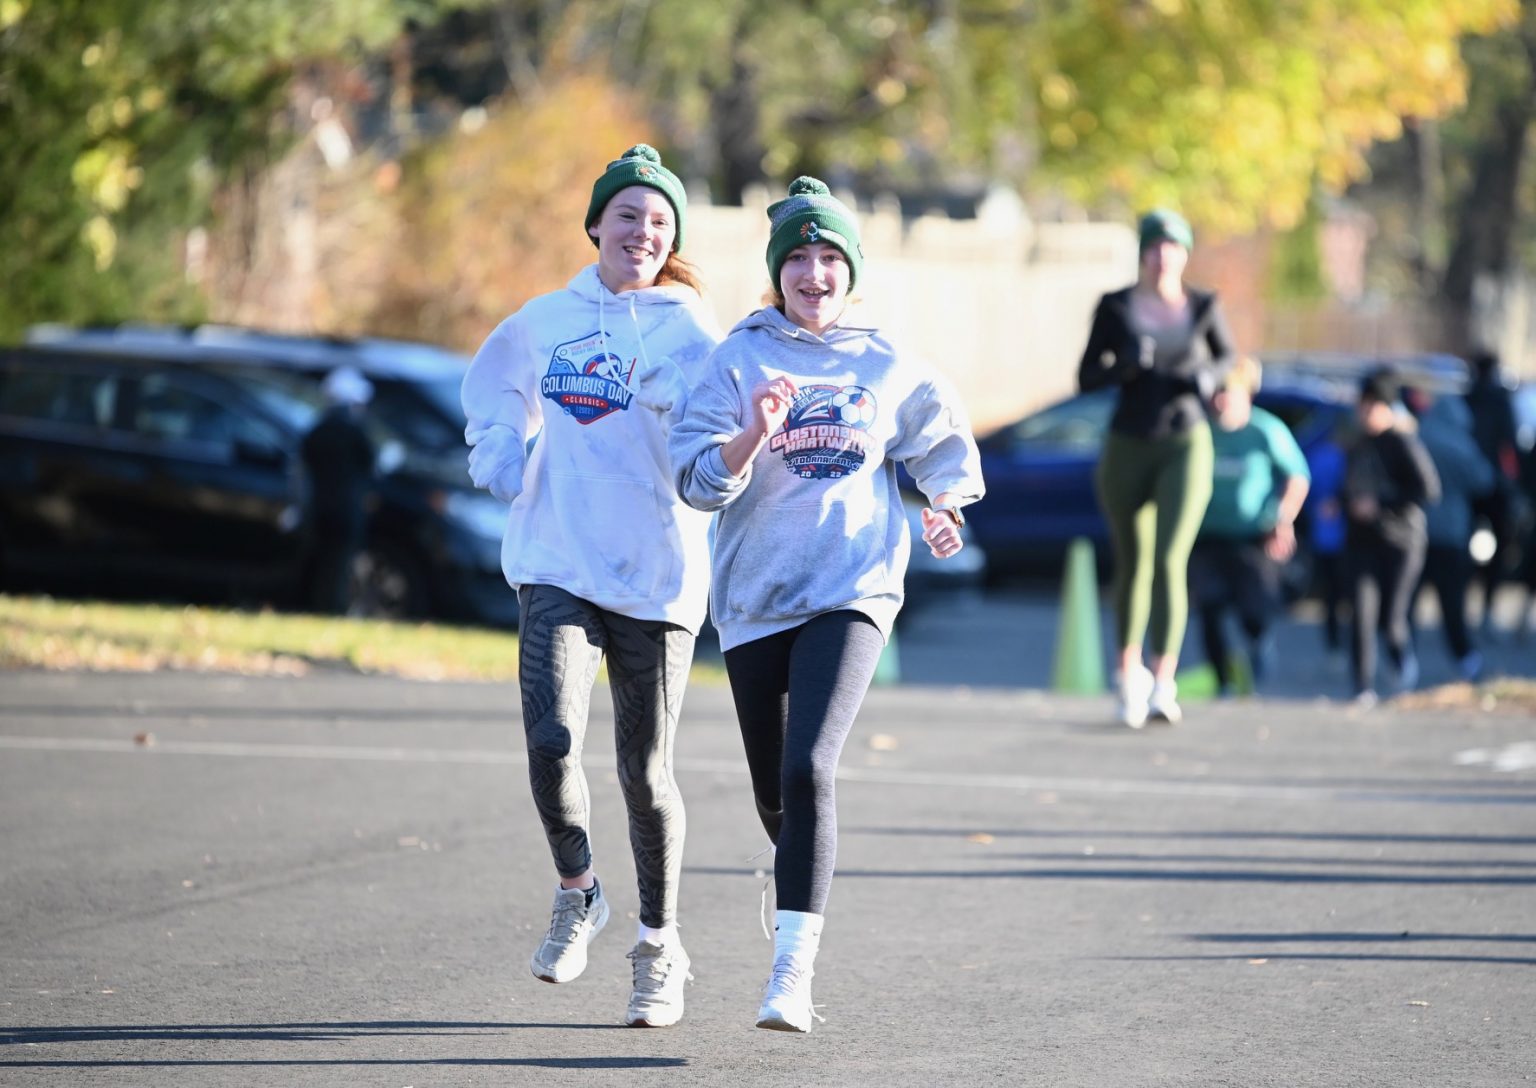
{"points": [[482, 514]]}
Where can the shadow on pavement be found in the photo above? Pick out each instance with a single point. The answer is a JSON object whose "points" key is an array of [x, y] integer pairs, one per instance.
{"points": [[308, 1033]]}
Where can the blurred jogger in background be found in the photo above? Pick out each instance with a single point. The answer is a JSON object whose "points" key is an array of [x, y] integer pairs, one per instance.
{"points": [[1166, 346], [1388, 480]]}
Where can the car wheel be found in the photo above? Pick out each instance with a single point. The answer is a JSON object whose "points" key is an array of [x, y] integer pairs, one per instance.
{"points": [[387, 583]]}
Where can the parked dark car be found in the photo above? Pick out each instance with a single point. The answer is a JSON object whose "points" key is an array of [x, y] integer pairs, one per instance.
{"points": [[206, 423], [1039, 470]]}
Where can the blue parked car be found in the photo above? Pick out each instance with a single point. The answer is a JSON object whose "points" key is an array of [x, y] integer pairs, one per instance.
{"points": [[1039, 470]]}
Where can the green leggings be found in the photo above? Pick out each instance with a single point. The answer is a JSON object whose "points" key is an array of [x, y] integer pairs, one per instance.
{"points": [[1154, 493]]}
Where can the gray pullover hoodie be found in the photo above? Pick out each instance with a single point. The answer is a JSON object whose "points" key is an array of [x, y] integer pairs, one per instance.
{"points": [[815, 522]]}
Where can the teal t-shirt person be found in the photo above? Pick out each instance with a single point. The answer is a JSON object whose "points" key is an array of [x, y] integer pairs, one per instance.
{"points": [[1252, 464]]}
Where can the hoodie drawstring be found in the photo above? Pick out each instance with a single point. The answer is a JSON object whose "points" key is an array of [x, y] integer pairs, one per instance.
{"points": [[602, 329], [639, 335]]}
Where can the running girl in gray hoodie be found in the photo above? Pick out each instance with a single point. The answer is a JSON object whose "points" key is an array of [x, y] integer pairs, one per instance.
{"points": [[794, 436], [569, 402]]}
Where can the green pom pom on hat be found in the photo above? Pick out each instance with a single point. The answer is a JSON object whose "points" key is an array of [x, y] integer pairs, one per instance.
{"points": [[640, 165], [810, 213], [1159, 225]]}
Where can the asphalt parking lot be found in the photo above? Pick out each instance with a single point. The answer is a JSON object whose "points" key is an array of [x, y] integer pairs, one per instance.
{"points": [[214, 880]]}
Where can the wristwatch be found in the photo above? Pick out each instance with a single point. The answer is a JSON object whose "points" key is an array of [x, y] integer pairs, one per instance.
{"points": [[952, 511]]}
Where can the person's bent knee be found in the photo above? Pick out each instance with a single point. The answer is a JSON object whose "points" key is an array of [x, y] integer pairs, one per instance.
{"points": [[549, 744]]}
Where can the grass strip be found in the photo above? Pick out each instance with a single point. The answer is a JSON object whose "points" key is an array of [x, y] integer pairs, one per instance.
{"points": [[47, 633]]}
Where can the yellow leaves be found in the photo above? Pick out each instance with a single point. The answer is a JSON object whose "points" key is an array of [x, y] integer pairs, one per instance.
{"points": [[107, 176], [1057, 92], [101, 239], [890, 91], [1233, 109]]}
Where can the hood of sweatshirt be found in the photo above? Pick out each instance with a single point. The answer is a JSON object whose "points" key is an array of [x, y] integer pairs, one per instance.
{"points": [[589, 286], [770, 319]]}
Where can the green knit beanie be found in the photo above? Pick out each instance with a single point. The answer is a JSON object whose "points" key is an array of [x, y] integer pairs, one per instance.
{"points": [[812, 214], [640, 165], [1160, 224]]}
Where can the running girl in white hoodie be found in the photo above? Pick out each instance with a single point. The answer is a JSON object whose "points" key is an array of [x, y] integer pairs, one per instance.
{"points": [[569, 403], [794, 436]]}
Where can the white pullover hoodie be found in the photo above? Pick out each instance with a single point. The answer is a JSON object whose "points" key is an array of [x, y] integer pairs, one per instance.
{"points": [[569, 403]]}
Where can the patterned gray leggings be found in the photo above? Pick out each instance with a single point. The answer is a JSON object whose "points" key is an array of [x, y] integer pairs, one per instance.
{"points": [[562, 639]]}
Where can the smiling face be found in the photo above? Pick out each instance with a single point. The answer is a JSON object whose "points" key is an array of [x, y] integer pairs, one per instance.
{"points": [[814, 282], [634, 237]]}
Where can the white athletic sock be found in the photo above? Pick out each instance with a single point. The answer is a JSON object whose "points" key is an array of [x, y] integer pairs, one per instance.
{"points": [[666, 935], [796, 933]]}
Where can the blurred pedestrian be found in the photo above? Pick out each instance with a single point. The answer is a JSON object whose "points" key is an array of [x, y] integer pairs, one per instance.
{"points": [[1165, 346], [1325, 526], [340, 459], [569, 403], [794, 437], [1528, 549], [1259, 483], [1494, 427], [1445, 428], [1388, 480]]}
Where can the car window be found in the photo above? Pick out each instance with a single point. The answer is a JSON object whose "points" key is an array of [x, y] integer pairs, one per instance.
{"points": [[54, 395], [1308, 419], [415, 413], [292, 397], [1075, 424], [169, 411]]}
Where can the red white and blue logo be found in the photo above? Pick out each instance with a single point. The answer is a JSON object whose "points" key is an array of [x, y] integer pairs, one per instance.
{"points": [[826, 434], [587, 380]]}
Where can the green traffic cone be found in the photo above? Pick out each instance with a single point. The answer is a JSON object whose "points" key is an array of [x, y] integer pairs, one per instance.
{"points": [[1079, 664]]}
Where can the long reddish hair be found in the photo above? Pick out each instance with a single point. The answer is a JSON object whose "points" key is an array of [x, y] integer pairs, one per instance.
{"points": [[676, 270]]}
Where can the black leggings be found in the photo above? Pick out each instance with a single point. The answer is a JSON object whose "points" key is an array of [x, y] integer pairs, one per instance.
{"points": [[797, 693], [1385, 576], [1448, 569]]}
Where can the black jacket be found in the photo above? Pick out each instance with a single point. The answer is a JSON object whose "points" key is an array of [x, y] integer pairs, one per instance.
{"points": [[1162, 393], [1395, 469]]}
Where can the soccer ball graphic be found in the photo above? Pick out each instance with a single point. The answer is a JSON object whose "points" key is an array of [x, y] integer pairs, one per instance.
{"points": [[853, 405]]}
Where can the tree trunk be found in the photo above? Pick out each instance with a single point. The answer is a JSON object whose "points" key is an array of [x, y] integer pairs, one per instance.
{"points": [[736, 116], [1481, 252]]}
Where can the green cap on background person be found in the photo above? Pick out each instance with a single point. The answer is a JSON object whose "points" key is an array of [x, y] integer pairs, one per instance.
{"points": [[1159, 225], [640, 165], [810, 213]]}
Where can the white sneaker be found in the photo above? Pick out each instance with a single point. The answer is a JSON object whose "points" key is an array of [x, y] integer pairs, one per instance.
{"points": [[787, 999], [1135, 691], [572, 925], [660, 972], [1163, 703]]}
